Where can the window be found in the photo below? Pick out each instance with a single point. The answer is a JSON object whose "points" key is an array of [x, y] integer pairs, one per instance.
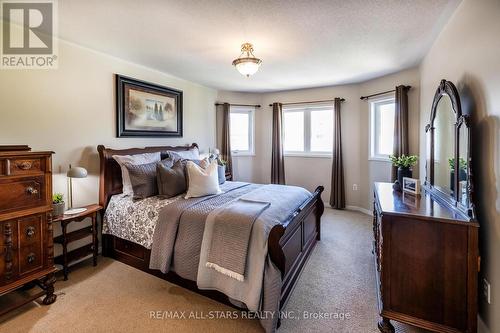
{"points": [[242, 130], [382, 112], [308, 130]]}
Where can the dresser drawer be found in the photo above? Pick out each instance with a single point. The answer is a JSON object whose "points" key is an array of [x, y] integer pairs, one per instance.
{"points": [[20, 166], [30, 230], [22, 193], [30, 258]]}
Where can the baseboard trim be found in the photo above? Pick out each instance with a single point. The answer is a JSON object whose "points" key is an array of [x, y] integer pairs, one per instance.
{"points": [[354, 208], [360, 209]]}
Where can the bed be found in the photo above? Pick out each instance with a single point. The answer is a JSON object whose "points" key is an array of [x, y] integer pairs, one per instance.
{"points": [[289, 243]]}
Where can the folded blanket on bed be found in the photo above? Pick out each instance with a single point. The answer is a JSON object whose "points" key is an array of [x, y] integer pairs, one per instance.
{"points": [[231, 234]]}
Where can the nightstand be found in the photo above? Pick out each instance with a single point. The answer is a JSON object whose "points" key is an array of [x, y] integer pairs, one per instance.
{"points": [[65, 238]]}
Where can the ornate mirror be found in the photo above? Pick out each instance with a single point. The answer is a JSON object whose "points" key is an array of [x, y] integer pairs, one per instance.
{"points": [[448, 175]]}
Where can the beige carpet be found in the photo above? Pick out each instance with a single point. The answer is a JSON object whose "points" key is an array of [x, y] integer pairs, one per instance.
{"points": [[113, 297]]}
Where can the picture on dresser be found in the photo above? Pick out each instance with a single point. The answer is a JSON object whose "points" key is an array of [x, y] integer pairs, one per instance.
{"points": [[411, 186], [145, 109]]}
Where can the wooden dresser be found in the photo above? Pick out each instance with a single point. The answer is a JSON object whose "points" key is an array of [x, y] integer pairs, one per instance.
{"points": [[26, 243], [426, 259]]}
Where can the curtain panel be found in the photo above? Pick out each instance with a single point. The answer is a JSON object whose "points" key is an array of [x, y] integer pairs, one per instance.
{"points": [[401, 141], [226, 137], [277, 156], [337, 194]]}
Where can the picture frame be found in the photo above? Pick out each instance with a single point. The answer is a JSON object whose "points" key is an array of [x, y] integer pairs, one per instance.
{"points": [[145, 109], [411, 185]]}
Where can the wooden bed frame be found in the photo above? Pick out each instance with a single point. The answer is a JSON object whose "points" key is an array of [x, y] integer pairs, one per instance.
{"points": [[290, 243]]}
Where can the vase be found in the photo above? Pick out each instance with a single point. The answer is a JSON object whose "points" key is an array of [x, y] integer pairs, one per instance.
{"points": [[58, 209], [403, 172], [462, 175], [222, 173]]}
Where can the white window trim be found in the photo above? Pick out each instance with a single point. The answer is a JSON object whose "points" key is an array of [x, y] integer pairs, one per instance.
{"points": [[307, 130], [251, 131], [371, 144]]}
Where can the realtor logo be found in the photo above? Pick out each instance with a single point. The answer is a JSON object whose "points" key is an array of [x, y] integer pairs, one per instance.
{"points": [[28, 30]]}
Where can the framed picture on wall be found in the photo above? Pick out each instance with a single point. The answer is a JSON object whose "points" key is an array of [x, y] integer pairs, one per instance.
{"points": [[145, 109]]}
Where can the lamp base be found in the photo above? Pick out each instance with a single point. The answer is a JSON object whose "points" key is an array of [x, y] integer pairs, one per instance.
{"points": [[74, 211]]}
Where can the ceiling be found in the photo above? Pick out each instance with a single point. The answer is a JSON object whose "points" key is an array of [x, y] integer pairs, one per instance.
{"points": [[302, 43]]}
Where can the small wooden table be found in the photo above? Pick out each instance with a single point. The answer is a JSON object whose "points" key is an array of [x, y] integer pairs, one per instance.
{"points": [[65, 238]]}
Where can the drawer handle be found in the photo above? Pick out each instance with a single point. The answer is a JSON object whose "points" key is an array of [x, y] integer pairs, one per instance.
{"points": [[24, 165], [30, 258], [31, 190], [30, 231]]}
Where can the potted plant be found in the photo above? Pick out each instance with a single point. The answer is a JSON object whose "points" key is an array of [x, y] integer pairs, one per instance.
{"points": [[462, 171], [404, 164], [57, 204]]}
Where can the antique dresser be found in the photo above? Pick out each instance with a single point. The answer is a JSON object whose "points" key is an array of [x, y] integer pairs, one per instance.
{"points": [[26, 242], [426, 246]]}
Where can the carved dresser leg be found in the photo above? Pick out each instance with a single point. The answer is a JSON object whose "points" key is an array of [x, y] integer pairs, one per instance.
{"points": [[385, 326], [48, 285]]}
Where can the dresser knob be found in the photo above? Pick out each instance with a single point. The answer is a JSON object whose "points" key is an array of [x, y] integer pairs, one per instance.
{"points": [[30, 231], [30, 258], [24, 165], [31, 190]]}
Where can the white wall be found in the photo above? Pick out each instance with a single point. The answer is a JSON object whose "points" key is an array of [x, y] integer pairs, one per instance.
{"points": [[309, 172], [467, 52], [71, 110]]}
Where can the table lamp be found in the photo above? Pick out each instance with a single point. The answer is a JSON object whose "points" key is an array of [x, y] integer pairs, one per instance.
{"points": [[76, 172]]}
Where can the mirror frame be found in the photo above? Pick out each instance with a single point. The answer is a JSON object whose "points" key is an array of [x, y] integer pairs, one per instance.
{"points": [[448, 88]]}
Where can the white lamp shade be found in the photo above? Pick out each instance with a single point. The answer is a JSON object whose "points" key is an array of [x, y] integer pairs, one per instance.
{"points": [[77, 172]]}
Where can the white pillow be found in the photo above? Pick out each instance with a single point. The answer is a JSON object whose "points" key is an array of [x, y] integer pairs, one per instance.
{"points": [[138, 159], [201, 181], [191, 154]]}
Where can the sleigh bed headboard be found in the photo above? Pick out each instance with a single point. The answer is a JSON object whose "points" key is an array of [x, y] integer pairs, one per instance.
{"points": [[110, 176]]}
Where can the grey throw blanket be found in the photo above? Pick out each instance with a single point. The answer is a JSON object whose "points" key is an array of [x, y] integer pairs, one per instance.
{"points": [[166, 232], [231, 234]]}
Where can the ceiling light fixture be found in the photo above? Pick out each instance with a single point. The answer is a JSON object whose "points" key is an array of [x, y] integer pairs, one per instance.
{"points": [[247, 64]]}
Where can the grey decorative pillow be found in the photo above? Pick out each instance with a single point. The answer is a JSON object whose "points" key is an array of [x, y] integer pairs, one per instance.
{"points": [[169, 161], [171, 181], [143, 180]]}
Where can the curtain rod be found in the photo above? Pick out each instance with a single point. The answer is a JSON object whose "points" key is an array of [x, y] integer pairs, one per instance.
{"points": [[311, 102], [381, 93], [254, 105]]}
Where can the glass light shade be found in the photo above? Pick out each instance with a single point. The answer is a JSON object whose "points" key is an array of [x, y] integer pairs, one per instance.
{"points": [[247, 66]]}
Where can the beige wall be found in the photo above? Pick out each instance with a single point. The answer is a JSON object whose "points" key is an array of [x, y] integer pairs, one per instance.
{"points": [[377, 171], [309, 172], [72, 109], [467, 52]]}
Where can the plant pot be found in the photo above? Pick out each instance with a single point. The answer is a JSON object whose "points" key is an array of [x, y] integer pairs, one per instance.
{"points": [[58, 209], [403, 172], [221, 169], [462, 175]]}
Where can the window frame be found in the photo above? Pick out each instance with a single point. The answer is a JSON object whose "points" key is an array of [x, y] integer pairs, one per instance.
{"points": [[373, 102], [251, 129], [307, 109]]}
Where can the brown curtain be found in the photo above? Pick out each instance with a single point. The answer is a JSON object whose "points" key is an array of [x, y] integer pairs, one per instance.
{"points": [[277, 158], [401, 146], [337, 194], [226, 138]]}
